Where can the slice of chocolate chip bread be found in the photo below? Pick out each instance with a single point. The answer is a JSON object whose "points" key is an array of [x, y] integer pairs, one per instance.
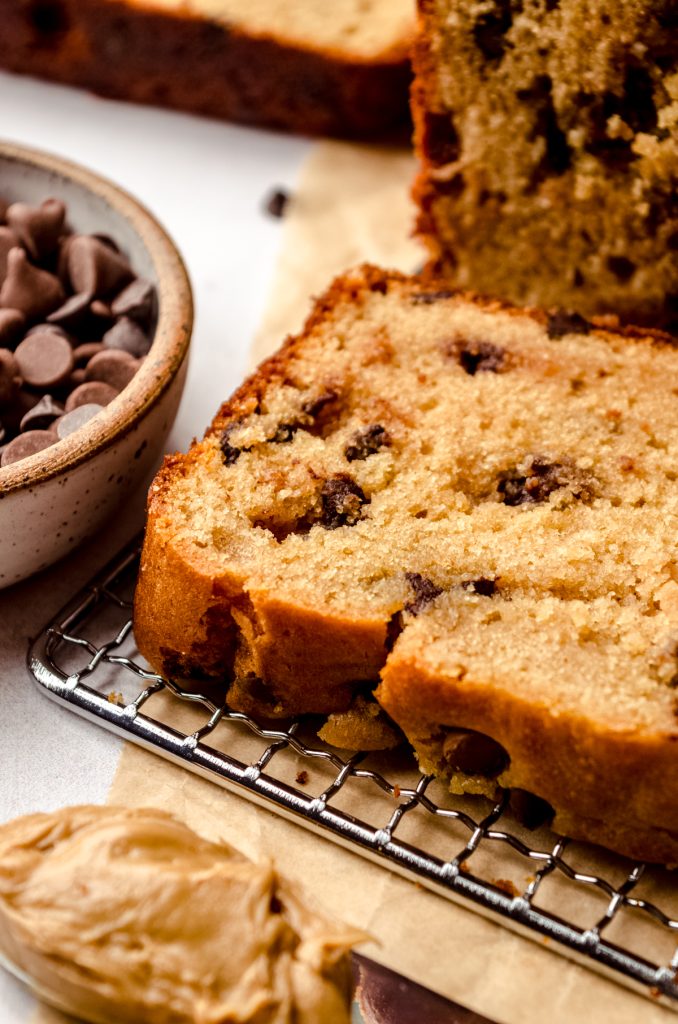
{"points": [[479, 504], [311, 67], [548, 137]]}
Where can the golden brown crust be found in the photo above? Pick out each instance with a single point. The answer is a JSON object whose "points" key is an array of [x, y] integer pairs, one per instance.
{"points": [[550, 755], [187, 594], [174, 59]]}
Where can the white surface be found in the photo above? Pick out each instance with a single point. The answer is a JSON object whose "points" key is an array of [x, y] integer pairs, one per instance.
{"points": [[206, 182]]}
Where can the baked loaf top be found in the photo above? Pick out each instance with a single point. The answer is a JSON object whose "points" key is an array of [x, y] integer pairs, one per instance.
{"points": [[418, 460], [548, 139], [303, 65], [370, 30]]}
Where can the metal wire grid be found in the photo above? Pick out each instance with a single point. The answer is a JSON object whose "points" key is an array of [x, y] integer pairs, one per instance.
{"points": [[75, 668]]}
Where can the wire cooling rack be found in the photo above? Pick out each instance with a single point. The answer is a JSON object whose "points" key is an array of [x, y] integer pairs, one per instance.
{"points": [[606, 912]]}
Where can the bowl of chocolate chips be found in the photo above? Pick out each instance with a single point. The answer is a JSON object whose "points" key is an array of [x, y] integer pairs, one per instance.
{"points": [[95, 324]]}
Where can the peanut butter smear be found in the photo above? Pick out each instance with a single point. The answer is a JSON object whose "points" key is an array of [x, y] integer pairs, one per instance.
{"points": [[119, 914]]}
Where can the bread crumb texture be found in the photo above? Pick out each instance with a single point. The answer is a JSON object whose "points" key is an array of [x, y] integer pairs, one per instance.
{"points": [[548, 137], [481, 499]]}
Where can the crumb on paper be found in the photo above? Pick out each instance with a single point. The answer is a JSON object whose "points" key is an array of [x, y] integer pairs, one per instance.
{"points": [[396, 791], [302, 777], [507, 886], [463, 866], [116, 698]]}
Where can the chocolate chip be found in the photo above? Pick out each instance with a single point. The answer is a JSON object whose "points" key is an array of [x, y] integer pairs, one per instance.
{"points": [[315, 407], [230, 453], [46, 327], [483, 586], [440, 141], [425, 591], [276, 202], [32, 291], [112, 367], [127, 336], [557, 155], [95, 268], [429, 298], [8, 240], [541, 480], [101, 310], [9, 376], [72, 421], [12, 324], [530, 810], [38, 227], [83, 353], [562, 322], [45, 359], [621, 267], [72, 313], [480, 357], [42, 415], [92, 392], [54, 323], [474, 753], [284, 433], [342, 502], [137, 301], [21, 403], [366, 442], [29, 443], [490, 29]]}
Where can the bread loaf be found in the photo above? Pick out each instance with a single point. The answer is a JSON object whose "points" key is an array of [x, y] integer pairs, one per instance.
{"points": [[547, 134], [341, 69], [477, 505]]}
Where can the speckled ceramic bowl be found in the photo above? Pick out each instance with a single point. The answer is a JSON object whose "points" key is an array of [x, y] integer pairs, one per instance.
{"points": [[51, 501]]}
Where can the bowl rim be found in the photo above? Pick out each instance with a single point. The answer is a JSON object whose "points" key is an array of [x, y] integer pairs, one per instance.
{"points": [[170, 341]]}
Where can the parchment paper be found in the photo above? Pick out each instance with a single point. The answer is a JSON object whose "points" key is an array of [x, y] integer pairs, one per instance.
{"points": [[352, 205]]}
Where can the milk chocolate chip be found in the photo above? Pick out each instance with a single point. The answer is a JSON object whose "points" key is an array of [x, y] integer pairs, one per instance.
{"points": [[73, 313], [530, 810], [112, 367], [474, 753], [541, 480], [95, 268], [481, 357], [62, 332], [42, 415], [342, 502], [562, 322], [9, 376], [12, 324], [137, 301], [76, 418], [127, 336], [92, 392], [29, 443], [45, 359], [8, 240], [366, 442], [32, 291], [425, 591], [38, 227]]}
